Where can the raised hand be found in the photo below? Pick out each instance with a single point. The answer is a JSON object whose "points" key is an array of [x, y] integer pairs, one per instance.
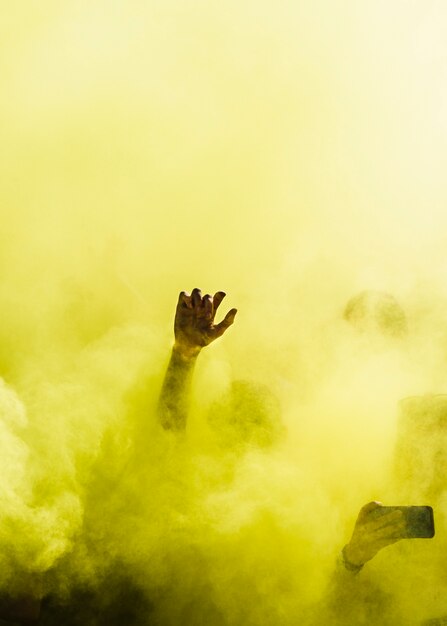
{"points": [[372, 532], [194, 329], [194, 326]]}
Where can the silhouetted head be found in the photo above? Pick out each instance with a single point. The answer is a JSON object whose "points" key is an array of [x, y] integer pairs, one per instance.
{"points": [[247, 415], [376, 312]]}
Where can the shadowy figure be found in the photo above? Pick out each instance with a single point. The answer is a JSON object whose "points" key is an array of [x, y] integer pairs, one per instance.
{"points": [[248, 415], [376, 312], [420, 459], [357, 599]]}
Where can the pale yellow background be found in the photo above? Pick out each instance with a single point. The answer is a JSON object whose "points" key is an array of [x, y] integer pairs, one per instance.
{"points": [[291, 153]]}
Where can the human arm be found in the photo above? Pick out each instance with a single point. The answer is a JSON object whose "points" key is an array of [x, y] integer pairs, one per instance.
{"points": [[354, 599], [194, 329]]}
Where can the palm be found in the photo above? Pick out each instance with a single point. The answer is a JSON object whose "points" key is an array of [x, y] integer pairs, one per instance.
{"points": [[194, 325]]}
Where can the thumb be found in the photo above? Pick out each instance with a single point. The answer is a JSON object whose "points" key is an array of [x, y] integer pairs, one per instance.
{"points": [[225, 323]]}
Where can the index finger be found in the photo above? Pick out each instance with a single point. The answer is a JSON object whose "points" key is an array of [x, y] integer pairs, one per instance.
{"points": [[367, 509], [387, 519]]}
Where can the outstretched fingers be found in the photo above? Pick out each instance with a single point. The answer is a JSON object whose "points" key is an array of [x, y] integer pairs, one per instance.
{"points": [[201, 310], [228, 320], [385, 521], [383, 543]]}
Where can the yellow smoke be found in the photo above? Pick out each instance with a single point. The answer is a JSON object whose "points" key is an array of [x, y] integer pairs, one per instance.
{"points": [[292, 154]]}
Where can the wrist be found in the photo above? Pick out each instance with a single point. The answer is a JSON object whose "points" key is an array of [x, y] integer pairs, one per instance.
{"points": [[350, 562], [186, 353]]}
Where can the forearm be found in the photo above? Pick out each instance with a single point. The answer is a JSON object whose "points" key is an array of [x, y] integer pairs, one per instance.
{"points": [[174, 397]]}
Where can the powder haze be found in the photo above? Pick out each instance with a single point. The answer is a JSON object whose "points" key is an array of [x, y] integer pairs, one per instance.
{"points": [[291, 154]]}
